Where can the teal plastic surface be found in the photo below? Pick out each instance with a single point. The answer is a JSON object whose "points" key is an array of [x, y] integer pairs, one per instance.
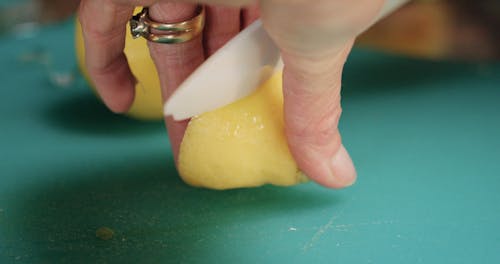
{"points": [[425, 137]]}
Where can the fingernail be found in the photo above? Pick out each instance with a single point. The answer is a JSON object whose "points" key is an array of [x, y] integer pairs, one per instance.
{"points": [[343, 171]]}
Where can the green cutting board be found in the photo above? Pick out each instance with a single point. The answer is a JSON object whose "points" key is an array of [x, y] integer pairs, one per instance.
{"points": [[425, 137]]}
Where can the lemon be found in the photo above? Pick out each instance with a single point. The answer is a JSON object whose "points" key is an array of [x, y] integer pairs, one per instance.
{"points": [[240, 145], [147, 103]]}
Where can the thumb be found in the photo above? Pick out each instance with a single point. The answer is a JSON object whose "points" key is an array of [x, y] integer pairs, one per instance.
{"points": [[312, 112]]}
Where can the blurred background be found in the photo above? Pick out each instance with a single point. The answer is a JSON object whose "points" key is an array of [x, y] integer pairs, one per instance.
{"points": [[435, 29], [421, 121]]}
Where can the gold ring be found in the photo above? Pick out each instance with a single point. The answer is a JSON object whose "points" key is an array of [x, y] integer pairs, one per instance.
{"points": [[141, 25]]}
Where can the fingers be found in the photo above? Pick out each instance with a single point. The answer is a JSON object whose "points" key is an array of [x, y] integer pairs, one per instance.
{"points": [[249, 14], [222, 24], [312, 111], [103, 26], [175, 62]]}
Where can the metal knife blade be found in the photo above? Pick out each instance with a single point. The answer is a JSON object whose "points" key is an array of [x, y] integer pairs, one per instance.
{"points": [[231, 73]]}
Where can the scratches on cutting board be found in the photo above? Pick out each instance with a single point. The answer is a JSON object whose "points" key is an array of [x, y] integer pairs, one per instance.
{"points": [[321, 231], [332, 225], [347, 227]]}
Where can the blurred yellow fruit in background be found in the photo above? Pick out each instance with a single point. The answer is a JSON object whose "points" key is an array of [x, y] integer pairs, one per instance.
{"points": [[148, 101]]}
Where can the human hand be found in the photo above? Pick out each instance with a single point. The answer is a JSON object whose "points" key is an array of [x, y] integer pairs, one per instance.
{"points": [[104, 28], [314, 39]]}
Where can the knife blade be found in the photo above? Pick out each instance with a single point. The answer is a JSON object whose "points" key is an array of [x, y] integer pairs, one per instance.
{"points": [[231, 73]]}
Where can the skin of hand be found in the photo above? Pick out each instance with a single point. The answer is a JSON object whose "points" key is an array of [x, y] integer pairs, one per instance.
{"points": [[315, 38]]}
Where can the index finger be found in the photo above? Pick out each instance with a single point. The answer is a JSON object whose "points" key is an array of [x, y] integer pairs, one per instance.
{"points": [[104, 28]]}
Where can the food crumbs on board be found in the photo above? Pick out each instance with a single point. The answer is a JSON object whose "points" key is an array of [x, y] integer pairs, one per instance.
{"points": [[104, 233]]}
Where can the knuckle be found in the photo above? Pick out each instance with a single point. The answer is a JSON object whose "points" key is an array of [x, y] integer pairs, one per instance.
{"points": [[315, 129]]}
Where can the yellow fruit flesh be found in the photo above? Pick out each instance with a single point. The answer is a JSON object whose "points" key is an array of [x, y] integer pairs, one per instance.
{"points": [[240, 145], [147, 103]]}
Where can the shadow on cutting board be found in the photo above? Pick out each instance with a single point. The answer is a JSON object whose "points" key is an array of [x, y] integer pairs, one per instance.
{"points": [[153, 214], [83, 113]]}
